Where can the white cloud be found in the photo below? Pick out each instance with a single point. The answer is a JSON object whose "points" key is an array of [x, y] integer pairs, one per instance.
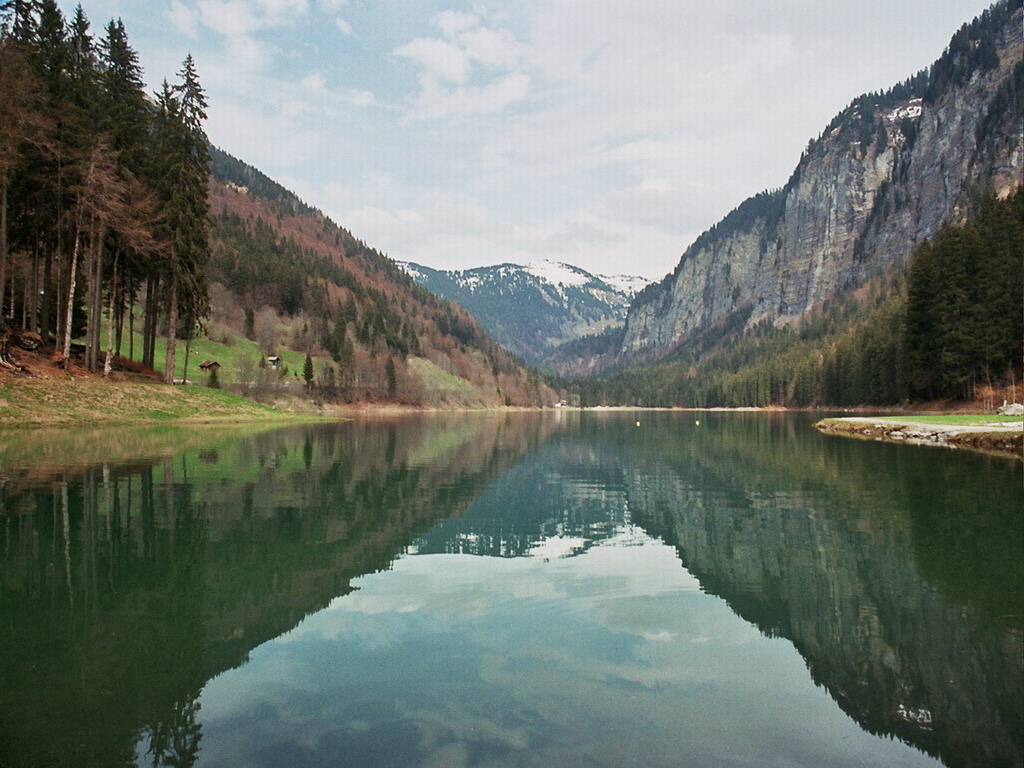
{"points": [[587, 133], [440, 59], [231, 18], [437, 101], [184, 18], [343, 26], [452, 23], [472, 69]]}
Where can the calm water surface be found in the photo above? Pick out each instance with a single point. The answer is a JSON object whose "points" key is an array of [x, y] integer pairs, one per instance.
{"points": [[508, 590]]}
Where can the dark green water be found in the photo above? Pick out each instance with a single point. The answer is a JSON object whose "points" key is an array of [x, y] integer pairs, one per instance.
{"points": [[508, 590]]}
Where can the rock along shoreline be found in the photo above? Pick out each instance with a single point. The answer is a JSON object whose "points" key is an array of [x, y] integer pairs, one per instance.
{"points": [[1003, 439]]}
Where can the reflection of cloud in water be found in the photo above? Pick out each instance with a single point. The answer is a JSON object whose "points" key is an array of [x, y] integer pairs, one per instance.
{"points": [[612, 657], [557, 547]]}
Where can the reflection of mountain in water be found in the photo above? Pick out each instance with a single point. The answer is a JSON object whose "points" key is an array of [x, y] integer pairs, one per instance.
{"points": [[899, 590], [556, 503], [836, 552], [123, 589]]}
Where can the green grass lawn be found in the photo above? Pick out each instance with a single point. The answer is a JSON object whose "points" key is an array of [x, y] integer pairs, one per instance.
{"points": [[37, 401], [230, 356], [957, 419]]}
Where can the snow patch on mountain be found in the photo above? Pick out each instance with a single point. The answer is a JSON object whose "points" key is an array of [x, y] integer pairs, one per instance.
{"points": [[557, 273], [410, 269], [533, 309], [630, 285]]}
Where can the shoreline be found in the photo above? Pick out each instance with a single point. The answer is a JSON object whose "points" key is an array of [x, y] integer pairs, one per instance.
{"points": [[39, 402], [1005, 439]]}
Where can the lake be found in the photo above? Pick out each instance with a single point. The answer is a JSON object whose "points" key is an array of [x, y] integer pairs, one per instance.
{"points": [[487, 589]]}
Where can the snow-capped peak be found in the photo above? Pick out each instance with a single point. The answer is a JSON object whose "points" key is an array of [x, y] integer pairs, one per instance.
{"points": [[557, 273]]}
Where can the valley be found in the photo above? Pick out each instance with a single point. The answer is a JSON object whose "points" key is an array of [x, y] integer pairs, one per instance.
{"points": [[807, 295], [342, 424]]}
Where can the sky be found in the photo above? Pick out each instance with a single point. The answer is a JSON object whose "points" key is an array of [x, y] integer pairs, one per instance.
{"points": [[600, 133]]}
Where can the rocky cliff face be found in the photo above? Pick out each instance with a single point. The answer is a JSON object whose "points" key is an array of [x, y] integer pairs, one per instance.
{"points": [[884, 175]]}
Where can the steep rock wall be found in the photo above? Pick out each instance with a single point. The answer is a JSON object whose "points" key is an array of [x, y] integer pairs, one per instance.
{"points": [[876, 183]]}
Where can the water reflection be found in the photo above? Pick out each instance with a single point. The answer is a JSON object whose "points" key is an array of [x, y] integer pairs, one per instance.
{"points": [[343, 563], [896, 573], [124, 587]]}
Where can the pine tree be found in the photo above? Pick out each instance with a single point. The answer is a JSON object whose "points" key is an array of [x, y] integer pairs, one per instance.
{"points": [[307, 372], [18, 16], [183, 171], [125, 113], [83, 66], [52, 52], [22, 123], [391, 376]]}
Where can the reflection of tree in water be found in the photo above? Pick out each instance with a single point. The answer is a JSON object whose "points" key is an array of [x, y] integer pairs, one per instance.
{"points": [[124, 588], [127, 587], [175, 741]]}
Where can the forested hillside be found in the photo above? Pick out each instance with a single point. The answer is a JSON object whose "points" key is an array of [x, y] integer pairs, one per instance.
{"points": [[117, 243], [284, 275]]}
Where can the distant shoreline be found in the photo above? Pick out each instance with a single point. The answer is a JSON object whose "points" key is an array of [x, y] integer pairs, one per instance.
{"points": [[33, 402]]}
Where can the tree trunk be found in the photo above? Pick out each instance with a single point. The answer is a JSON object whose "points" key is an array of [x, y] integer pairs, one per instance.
{"points": [[3, 243], [5, 342], [131, 329], [88, 273], [33, 288], [145, 322], [119, 327], [172, 326], [109, 358], [71, 298], [96, 300], [46, 311], [188, 349], [149, 323], [58, 292]]}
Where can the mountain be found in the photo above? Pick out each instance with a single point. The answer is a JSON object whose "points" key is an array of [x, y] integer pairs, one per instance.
{"points": [[286, 276], [884, 175], [531, 310]]}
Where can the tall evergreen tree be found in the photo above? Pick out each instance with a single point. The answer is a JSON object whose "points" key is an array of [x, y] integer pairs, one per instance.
{"points": [[183, 171], [22, 123], [307, 372], [391, 376], [125, 111], [83, 69], [19, 16]]}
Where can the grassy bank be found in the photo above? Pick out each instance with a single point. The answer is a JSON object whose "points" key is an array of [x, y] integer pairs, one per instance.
{"points": [[999, 435], [36, 402]]}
